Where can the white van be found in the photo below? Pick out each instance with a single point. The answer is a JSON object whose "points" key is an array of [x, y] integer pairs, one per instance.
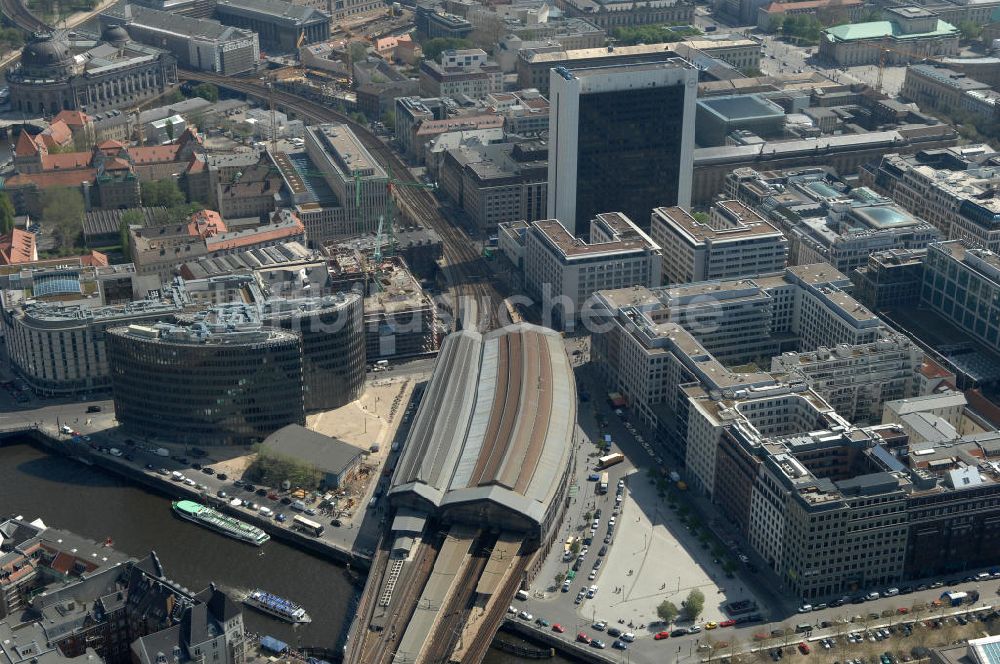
{"points": [[115, 452], [521, 595], [298, 506], [266, 511]]}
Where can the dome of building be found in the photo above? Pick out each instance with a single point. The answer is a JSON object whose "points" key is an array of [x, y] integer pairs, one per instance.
{"points": [[116, 35], [45, 51]]}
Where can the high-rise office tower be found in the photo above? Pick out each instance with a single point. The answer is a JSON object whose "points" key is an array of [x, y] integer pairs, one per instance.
{"points": [[621, 140]]}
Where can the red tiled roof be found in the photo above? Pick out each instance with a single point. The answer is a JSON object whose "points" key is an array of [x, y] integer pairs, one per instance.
{"points": [[259, 237], [73, 118], [94, 259], [58, 132], [63, 563], [117, 164], [206, 223], [70, 178], [26, 146], [782, 7], [17, 247], [155, 153], [110, 145], [196, 165], [65, 161]]}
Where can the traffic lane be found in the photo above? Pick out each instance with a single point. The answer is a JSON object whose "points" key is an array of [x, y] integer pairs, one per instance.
{"points": [[891, 604]]}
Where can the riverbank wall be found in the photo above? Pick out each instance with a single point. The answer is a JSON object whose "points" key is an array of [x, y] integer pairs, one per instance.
{"points": [[54, 444]]}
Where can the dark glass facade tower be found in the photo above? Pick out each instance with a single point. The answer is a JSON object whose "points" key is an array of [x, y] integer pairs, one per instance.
{"points": [[622, 140], [194, 385]]}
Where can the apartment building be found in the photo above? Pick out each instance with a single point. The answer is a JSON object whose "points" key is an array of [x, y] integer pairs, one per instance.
{"points": [[735, 241], [825, 220], [464, 72], [563, 272], [890, 279], [950, 91], [356, 178], [963, 285], [497, 182], [663, 346], [889, 364], [950, 188]]}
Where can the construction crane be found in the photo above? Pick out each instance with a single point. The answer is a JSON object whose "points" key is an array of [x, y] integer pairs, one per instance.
{"points": [[377, 256], [391, 183]]}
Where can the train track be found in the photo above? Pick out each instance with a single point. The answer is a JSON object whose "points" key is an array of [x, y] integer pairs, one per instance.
{"points": [[498, 607], [442, 640], [380, 647], [466, 269]]}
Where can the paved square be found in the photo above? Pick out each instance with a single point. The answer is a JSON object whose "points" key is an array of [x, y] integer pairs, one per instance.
{"points": [[652, 544]]}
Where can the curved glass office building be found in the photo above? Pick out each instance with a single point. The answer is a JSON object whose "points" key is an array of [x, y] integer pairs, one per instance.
{"points": [[333, 345], [214, 382]]}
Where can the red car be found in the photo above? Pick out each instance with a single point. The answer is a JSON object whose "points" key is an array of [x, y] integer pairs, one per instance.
{"points": [[661, 635], [583, 638], [558, 628], [727, 623], [804, 648]]}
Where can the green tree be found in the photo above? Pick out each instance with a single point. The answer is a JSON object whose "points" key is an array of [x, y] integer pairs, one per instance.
{"points": [[802, 28], [357, 51], [6, 213], [162, 193], [389, 119], [559, 578], [129, 218], [433, 48], [64, 211], [667, 611], [11, 38], [694, 604], [173, 97], [576, 546], [206, 91], [700, 217], [273, 469], [970, 31], [652, 34]]}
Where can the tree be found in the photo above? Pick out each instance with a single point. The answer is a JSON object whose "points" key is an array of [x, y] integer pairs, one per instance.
{"points": [[6, 213], [11, 38], [206, 91], [667, 611], [129, 218], [970, 31], [162, 193], [357, 51], [389, 119], [694, 604], [64, 210], [559, 578], [700, 217], [433, 48], [652, 34], [575, 547], [173, 97], [273, 469]]}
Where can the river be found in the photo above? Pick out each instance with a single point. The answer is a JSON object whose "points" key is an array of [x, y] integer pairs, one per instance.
{"points": [[93, 503]]}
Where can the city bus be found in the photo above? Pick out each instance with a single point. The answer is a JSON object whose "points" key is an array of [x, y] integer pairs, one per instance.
{"points": [[603, 486], [307, 525], [609, 460]]}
